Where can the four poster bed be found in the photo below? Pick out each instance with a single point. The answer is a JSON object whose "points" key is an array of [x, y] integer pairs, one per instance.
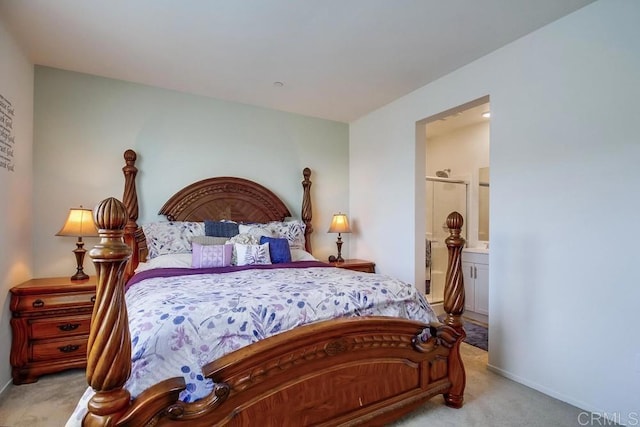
{"points": [[366, 366]]}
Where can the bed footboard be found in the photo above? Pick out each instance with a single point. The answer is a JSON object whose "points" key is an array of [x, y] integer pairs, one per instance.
{"points": [[366, 371]]}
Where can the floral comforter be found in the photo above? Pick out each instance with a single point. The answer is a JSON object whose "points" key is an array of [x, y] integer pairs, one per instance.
{"points": [[182, 322]]}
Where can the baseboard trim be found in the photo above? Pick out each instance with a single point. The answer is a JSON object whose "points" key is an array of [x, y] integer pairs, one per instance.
{"points": [[549, 392], [5, 387]]}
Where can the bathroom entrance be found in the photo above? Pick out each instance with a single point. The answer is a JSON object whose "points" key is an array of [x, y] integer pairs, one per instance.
{"points": [[457, 179]]}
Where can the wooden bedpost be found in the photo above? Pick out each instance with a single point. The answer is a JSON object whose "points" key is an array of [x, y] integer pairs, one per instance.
{"points": [[454, 307], [109, 346], [454, 285], [130, 200], [306, 208]]}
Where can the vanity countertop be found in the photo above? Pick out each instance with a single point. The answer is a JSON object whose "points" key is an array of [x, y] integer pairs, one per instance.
{"points": [[476, 250]]}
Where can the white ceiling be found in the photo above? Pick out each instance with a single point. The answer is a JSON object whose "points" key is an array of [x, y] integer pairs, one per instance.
{"points": [[338, 59]]}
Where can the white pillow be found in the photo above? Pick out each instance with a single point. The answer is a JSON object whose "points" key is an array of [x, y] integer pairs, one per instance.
{"points": [[252, 254], [166, 261], [301, 255]]}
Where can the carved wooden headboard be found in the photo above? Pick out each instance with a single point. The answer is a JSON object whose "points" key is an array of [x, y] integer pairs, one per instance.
{"points": [[230, 198], [225, 198]]}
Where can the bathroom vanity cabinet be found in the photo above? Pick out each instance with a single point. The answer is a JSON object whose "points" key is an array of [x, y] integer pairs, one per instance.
{"points": [[475, 271]]}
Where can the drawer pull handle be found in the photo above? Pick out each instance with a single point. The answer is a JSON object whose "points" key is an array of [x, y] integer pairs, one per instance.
{"points": [[38, 303], [69, 326], [93, 299], [69, 348]]}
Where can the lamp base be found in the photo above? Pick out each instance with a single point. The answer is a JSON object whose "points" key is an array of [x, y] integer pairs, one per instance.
{"points": [[79, 252], [339, 257], [80, 275]]}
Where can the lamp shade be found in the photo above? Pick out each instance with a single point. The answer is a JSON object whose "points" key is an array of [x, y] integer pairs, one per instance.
{"points": [[339, 224], [79, 223]]}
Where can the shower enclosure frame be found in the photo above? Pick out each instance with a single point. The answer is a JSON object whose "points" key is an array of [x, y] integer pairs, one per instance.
{"points": [[435, 249]]}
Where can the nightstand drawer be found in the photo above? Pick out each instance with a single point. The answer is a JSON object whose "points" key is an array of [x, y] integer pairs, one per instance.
{"points": [[35, 303], [60, 327], [75, 347]]}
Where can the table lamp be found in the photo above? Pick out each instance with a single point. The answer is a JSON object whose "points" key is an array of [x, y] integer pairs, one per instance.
{"points": [[339, 224], [79, 224]]}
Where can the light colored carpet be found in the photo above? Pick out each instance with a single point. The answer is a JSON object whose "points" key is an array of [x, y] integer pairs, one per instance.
{"points": [[493, 400], [46, 403], [490, 400]]}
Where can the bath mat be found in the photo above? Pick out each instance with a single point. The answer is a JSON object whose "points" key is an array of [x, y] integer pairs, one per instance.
{"points": [[477, 335]]}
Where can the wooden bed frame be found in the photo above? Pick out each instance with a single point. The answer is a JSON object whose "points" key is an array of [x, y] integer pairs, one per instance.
{"points": [[349, 371]]}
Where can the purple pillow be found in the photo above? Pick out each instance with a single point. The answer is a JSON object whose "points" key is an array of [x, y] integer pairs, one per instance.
{"points": [[206, 256], [278, 249]]}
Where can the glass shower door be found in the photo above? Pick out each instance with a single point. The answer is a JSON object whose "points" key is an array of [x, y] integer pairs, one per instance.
{"points": [[443, 197]]}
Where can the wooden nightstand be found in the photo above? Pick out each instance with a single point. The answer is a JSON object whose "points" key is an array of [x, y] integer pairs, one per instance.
{"points": [[357, 265], [50, 324]]}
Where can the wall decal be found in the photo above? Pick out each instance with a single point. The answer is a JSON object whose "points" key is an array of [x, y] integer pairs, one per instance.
{"points": [[7, 138]]}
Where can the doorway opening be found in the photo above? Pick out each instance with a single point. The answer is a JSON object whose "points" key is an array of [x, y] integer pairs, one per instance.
{"points": [[457, 179]]}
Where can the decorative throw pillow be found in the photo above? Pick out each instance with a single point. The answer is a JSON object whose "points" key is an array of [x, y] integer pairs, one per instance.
{"points": [[206, 256], [209, 240], [293, 231], [257, 230], [278, 249], [252, 254], [171, 237], [245, 239], [221, 228]]}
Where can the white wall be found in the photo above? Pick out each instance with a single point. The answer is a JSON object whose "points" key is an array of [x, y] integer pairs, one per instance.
{"points": [[84, 123], [464, 150], [16, 85], [564, 180], [472, 142]]}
